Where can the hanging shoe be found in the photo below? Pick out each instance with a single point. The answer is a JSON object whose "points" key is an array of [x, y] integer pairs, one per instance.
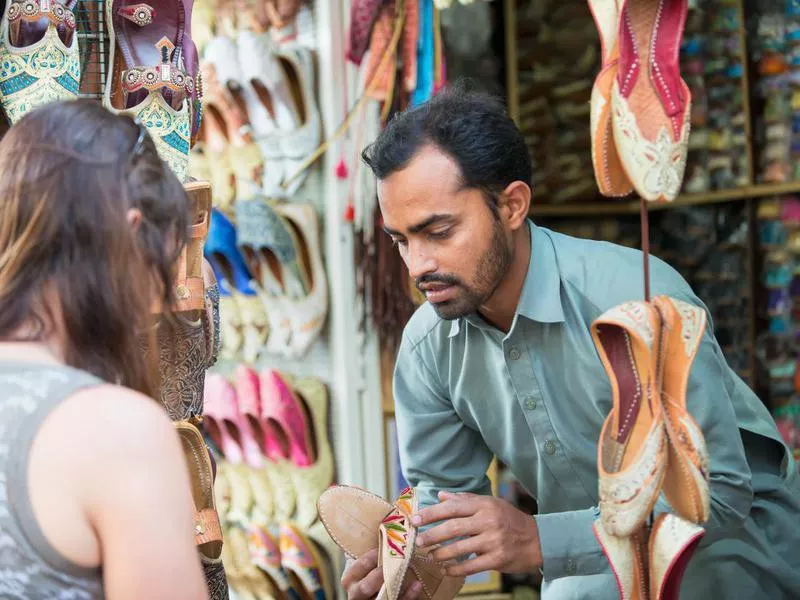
{"points": [[298, 144], [631, 453], [308, 312], [211, 319], [39, 55], [152, 74], [628, 558], [651, 104], [610, 177], [311, 481], [283, 413], [216, 140], [672, 544], [686, 478], [275, 466], [224, 256], [302, 561]]}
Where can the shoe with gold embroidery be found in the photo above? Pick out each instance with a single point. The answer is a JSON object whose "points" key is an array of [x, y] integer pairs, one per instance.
{"points": [[39, 56]]}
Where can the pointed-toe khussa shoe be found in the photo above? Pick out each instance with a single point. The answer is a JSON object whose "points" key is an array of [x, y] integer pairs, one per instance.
{"points": [[609, 175], [671, 546], [632, 449], [359, 521], [686, 481], [649, 100], [39, 55]]}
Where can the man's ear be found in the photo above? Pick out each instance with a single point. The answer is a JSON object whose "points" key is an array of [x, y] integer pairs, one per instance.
{"points": [[134, 217], [515, 204]]}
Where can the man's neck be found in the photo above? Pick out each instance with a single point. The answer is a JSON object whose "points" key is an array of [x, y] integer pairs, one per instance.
{"points": [[501, 307]]}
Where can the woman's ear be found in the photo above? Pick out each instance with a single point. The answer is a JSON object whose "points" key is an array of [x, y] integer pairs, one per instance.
{"points": [[516, 199], [134, 217]]}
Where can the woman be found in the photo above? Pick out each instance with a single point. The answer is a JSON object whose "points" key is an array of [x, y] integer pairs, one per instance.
{"points": [[95, 502]]}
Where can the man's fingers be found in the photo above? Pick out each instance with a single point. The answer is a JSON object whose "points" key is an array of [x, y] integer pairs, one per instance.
{"points": [[360, 568], [412, 592], [456, 505], [449, 530], [368, 587], [456, 550], [486, 562]]}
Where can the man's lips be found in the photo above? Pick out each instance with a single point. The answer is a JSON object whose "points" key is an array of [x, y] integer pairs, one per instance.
{"points": [[436, 293]]}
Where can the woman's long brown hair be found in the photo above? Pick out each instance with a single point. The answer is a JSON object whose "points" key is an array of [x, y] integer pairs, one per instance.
{"points": [[70, 260]]}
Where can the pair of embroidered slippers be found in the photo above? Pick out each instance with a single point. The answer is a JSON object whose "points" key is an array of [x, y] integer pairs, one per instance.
{"points": [[650, 444], [359, 522], [640, 106]]}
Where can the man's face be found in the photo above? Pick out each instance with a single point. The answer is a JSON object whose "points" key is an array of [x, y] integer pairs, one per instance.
{"points": [[454, 247]]}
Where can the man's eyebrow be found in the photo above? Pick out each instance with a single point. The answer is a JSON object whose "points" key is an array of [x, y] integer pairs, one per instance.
{"points": [[432, 220]]}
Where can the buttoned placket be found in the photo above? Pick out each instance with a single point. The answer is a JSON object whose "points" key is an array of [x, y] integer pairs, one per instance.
{"points": [[520, 365]]}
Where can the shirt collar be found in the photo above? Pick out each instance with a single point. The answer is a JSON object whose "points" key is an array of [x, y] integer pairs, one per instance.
{"points": [[541, 293]]}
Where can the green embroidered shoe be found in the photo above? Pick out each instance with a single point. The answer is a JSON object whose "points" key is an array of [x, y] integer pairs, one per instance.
{"points": [[38, 64]]}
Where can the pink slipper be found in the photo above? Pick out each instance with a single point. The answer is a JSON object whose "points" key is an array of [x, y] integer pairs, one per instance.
{"points": [[221, 417], [284, 417]]}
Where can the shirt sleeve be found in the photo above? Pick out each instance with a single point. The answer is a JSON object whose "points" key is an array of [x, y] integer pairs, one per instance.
{"points": [[438, 451], [569, 546]]}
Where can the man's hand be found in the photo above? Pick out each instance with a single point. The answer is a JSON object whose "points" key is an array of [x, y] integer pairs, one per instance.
{"points": [[502, 537], [362, 580]]}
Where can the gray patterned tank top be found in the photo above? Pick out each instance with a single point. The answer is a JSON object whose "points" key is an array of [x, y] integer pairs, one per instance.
{"points": [[30, 568]]}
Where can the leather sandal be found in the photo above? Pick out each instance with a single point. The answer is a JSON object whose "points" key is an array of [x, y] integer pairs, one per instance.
{"points": [[632, 450], [359, 521], [31, 30]]}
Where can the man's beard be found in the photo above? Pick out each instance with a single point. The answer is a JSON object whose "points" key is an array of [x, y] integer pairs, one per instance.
{"points": [[492, 267]]}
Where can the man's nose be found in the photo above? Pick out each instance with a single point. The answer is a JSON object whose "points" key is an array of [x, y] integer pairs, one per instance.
{"points": [[420, 262]]}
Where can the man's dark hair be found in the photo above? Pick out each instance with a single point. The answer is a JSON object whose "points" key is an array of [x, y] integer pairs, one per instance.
{"points": [[471, 127]]}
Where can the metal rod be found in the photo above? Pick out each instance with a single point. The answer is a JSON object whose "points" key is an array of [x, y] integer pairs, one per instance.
{"points": [[645, 247]]}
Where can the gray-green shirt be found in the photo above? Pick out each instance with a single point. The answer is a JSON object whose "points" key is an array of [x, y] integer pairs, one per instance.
{"points": [[537, 398]]}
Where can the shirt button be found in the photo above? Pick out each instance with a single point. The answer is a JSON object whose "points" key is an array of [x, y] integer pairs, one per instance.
{"points": [[550, 447], [571, 568], [530, 403], [514, 353]]}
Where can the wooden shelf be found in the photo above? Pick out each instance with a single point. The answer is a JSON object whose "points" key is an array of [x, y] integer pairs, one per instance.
{"points": [[616, 207]]}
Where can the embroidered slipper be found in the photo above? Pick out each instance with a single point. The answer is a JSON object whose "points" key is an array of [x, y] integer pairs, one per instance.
{"points": [[628, 559], [672, 544], [152, 73], [216, 140], [650, 102], [285, 417], [311, 481], [303, 562], [609, 175], [211, 318], [686, 479], [631, 452], [252, 578], [309, 312], [359, 521], [40, 55], [223, 254], [275, 464], [265, 553]]}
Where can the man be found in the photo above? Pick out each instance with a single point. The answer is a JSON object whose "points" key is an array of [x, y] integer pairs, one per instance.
{"points": [[500, 361]]}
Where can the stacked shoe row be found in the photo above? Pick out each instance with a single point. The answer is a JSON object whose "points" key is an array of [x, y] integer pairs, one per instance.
{"points": [[272, 281], [776, 53], [712, 60], [262, 120], [647, 449], [269, 434], [151, 68], [777, 348], [555, 80]]}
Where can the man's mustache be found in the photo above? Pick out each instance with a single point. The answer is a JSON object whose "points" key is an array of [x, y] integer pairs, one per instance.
{"points": [[436, 278]]}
